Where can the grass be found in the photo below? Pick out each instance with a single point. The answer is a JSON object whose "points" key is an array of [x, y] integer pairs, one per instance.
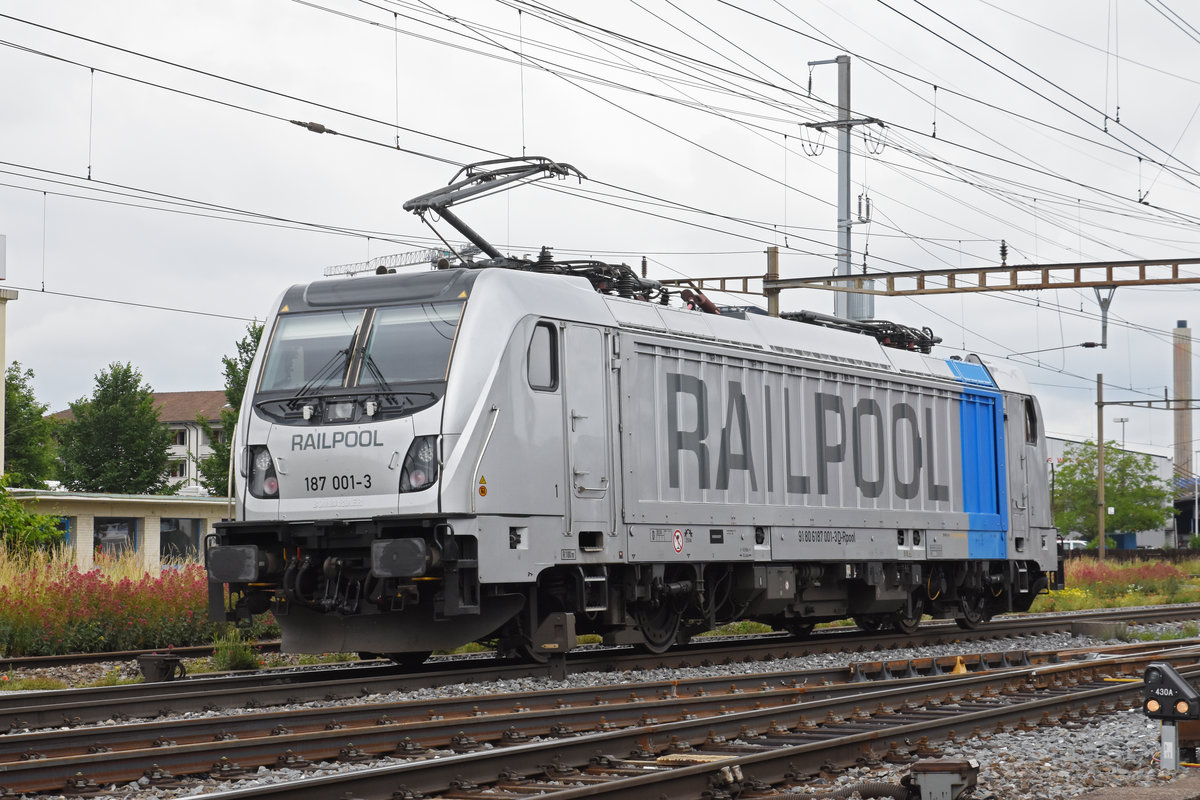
{"points": [[1188, 631], [114, 678], [270, 660], [1095, 584], [48, 606], [742, 627], [10, 683], [232, 651]]}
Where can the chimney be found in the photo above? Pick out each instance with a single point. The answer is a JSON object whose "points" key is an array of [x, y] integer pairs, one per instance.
{"points": [[1183, 391]]}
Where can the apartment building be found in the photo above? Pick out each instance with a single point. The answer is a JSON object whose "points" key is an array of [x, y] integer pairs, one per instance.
{"points": [[178, 411]]}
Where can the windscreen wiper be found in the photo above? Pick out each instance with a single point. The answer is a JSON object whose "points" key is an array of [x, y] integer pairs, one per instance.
{"points": [[373, 368], [325, 372]]}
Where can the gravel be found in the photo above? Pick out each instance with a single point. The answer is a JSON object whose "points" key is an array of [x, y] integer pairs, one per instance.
{"points": [[1070, 760]]}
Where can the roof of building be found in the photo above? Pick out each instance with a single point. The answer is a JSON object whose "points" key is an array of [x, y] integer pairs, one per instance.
{"points": [[45, 501], [184, 406], [179, 406]]}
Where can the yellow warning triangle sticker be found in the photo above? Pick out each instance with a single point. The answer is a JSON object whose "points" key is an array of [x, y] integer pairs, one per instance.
{"points": [[283, 310], [463, 293], [482, 481]]}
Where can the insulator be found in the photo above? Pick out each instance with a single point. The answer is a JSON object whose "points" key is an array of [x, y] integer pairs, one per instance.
{"points": [[627, 284], [545, 259]]}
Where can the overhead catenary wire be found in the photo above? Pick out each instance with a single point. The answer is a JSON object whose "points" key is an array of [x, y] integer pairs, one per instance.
{"points": [[276, 92], [322, 128], [1073, 96]]}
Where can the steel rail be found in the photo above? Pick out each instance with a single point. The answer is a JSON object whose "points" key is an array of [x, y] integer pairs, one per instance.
{"points": [[370, 728], [780, 753], [37, 710]]}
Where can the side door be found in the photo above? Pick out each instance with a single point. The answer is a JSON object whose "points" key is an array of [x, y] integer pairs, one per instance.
{"points": [[589, 449], [1022, 447]]}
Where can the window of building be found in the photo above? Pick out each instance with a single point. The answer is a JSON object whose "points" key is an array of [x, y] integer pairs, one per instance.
{"points": [[178, 469], [217, 436], [115, 535], [179, 540], [543, 358], [180, 437]]}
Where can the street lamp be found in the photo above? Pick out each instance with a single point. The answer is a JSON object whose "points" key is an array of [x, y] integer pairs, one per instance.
{"points": [[1122, 420]]}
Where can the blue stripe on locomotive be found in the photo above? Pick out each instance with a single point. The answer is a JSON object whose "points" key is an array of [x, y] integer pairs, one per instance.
{"points": [[984, 488]]}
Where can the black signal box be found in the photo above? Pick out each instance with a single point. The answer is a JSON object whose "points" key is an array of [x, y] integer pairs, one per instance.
{"points": [[1167, 696]]}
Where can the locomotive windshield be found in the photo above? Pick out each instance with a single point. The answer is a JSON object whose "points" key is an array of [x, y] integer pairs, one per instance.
{"points": [[409, 343], [397, 354], [310, 351]]}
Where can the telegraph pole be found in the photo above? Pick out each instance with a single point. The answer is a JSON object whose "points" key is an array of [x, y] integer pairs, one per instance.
{"points": [[842, 304], [848, 305], [5, 296], [772, 274], [1100, 509]]}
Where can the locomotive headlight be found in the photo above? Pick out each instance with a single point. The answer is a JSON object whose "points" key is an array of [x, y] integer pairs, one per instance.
{"points": [[420, 465], [263, 481]]}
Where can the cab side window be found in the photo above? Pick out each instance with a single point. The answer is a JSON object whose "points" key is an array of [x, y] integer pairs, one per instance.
{"points": [[1031, 422], [543, 358]]}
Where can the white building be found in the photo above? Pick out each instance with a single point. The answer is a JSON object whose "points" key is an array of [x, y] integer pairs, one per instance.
{"points": [[178, 411]]}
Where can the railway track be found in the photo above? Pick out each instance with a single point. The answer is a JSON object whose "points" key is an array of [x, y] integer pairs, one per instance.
{"points": [[34, 711], [685, 736], [1028, 622]]}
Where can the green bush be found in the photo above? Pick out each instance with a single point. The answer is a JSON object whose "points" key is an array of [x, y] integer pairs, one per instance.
{"points": [[23, 532], [233, 652]]}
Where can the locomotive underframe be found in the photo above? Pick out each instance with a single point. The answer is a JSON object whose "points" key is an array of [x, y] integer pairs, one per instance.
{"points": [[411, 586]]}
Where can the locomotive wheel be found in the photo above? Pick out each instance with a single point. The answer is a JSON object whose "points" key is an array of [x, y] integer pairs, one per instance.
{"points": [[908, 624], [659, 626], [517, 643], [970, 612]]}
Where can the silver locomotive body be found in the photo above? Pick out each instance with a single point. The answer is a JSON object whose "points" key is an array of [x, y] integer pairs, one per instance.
{"points": [[425, 460]]}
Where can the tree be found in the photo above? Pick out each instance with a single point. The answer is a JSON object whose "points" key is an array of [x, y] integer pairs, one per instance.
{"points": [[214, 468], [29, 446], [116, 443], [22, 531], [1139, 499]]}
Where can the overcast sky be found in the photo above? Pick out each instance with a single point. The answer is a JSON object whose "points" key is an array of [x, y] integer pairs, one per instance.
{"points": [[204, 202]]}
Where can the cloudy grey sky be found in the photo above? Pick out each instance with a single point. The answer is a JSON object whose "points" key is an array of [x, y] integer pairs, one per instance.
{"points": [[155, 196]]}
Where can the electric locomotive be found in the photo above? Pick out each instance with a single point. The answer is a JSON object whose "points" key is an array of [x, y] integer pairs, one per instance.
{"points": [[468, 453]]}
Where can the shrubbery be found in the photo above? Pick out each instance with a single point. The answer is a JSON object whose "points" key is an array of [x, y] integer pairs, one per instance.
{"points": [[21, 531], [1092, 583], [48, 606]]}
